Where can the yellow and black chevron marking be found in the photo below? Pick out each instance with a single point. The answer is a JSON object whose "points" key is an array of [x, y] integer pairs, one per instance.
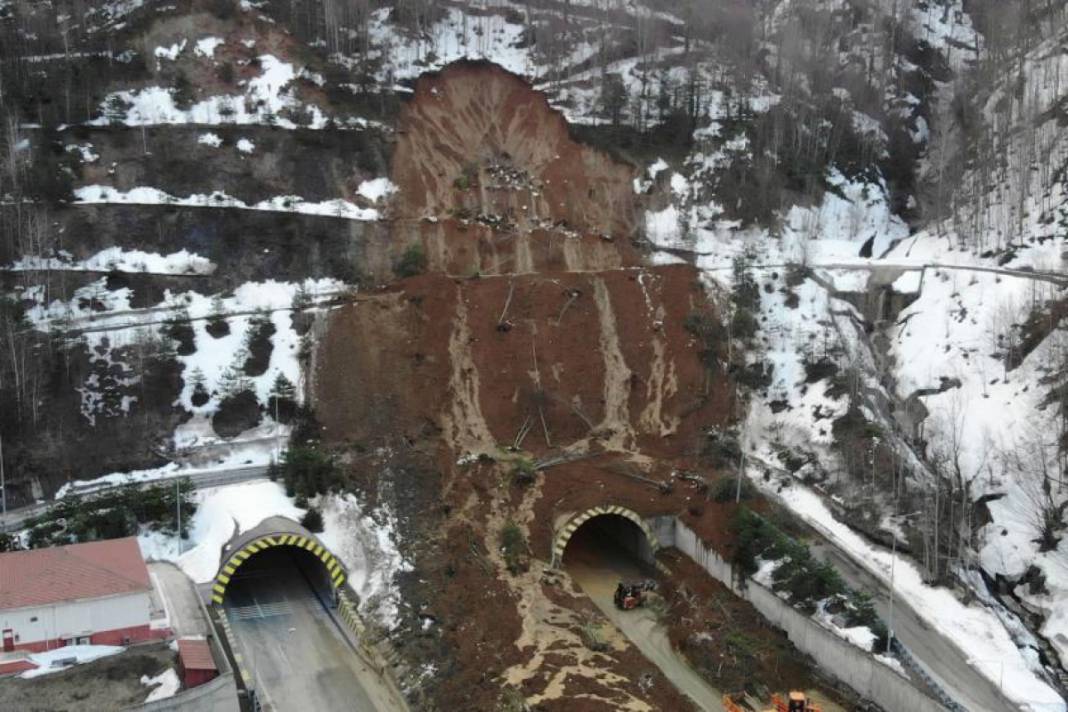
{"points": [[564, 535], [246, 677], [333, 566], [347, 611]]}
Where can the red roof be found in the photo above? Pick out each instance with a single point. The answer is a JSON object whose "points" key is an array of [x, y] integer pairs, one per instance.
{"points": [[195, 654], [96, 569]]}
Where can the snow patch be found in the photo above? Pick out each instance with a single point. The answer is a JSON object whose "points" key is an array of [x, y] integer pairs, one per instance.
{"points": [[170, 53], [55, 660], [376, 189], [223, 512], [366, 542], [337, 207], [166, 684], [206, 46], [116, 259]]}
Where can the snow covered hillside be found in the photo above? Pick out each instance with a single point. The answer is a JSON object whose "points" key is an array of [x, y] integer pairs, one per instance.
{"points": [[875, 192]]}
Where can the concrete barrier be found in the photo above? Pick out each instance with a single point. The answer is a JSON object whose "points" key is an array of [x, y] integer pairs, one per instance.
{"points": [[856, 668], [218, 695]]}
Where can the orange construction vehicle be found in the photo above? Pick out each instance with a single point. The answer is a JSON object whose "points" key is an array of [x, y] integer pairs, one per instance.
{"points": [[796, 702]]}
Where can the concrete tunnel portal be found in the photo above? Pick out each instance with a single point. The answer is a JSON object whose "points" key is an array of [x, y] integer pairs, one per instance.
{"points": [[291, 625], [602, 546], [275, 540], [611, 525]]}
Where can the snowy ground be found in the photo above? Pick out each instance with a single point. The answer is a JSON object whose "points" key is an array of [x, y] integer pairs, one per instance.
{"points": [[49, 662], [975, 629], [366, 543], [364, 540], [952, 330], [222, 513], [165, 685]]}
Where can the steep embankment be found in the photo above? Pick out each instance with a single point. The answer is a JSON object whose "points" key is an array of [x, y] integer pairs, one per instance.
{"points": [[563, 348]]}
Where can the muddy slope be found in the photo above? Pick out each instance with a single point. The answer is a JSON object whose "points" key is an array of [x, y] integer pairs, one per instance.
{"points": [[536, 335], [490, 182], [476, 137]]}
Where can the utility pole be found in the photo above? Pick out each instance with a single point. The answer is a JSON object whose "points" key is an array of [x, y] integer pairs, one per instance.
{"points": [[277, 431], [890, 618], [178, 510], [741, 471], [3, 482]]}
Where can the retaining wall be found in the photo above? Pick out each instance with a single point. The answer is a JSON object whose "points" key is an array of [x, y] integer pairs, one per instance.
{"points": [[861, 671], [219, 695]]}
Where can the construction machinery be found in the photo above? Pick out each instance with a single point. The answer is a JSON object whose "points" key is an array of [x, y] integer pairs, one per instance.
{"points": [[632, 594], [794, 702]]}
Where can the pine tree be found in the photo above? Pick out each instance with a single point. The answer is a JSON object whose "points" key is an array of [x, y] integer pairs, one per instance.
{"points": [[283, 388]]}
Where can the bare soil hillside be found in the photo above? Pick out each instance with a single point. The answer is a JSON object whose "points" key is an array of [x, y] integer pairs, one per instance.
{"points": [[536, 336]]}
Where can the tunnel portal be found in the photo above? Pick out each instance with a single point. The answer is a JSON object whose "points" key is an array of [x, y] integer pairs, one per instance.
{"points": [[323, 565], [624, 526]]}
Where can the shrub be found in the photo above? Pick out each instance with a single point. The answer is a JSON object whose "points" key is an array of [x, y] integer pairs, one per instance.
{"points": [[726, 489], [179, 329], [237, 413], [114, 513], [743, 324], [308, 471], [523, 471], [312, 520], [593, 636], [514, 547], [259, 344], [804, 580], [411, 263], [282, 400]]}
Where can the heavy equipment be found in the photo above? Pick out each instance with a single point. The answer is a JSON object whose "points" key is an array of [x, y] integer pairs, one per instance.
{"points": [[795, 702], [631, 595]]}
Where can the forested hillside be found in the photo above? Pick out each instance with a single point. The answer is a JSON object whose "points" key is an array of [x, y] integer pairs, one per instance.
{"points": [[872, 195]]}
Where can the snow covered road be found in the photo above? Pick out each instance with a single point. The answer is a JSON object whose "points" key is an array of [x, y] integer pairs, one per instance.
{"points": [[949, 667]]}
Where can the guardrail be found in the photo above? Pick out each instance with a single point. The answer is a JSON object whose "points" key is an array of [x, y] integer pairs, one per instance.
{"points": [[916, 668], [17, 518]]}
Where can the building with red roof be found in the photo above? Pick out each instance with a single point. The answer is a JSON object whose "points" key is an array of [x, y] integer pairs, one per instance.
{"points": [[195, 662], [96, 593]]}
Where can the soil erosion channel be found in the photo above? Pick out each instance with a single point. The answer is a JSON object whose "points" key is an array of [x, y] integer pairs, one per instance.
{"points": [[597, 562]]}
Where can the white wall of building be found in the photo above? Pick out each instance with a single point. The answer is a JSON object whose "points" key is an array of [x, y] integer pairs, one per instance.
{"points": [[70, 619]]}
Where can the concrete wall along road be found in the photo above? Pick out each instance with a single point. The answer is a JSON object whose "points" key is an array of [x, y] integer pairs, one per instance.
{"points": [[219, 695], [858, 669]]}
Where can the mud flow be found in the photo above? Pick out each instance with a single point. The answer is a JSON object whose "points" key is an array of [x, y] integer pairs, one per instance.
{"points": [[605, 551], [526, 327]]}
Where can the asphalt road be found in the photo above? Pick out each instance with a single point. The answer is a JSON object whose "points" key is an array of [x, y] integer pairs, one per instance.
{"points": [[943, 660], [16, 518], [297, 657]]}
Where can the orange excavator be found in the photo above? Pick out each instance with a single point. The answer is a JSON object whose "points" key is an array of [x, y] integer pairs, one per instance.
{"points": [[795, 702]]}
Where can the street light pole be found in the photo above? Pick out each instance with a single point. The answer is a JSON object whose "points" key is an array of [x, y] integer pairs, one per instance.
{"points": [[178, 510], [3, 482], [890, 618]]}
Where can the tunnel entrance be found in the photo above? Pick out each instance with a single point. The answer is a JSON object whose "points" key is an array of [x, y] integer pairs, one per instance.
{"points": [[614, 537], [306, 551], [263, 586], [608, 548], [287, 636], [605, 551]]}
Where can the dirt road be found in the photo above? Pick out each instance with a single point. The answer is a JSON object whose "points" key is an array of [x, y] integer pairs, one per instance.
{"points": [[597, 566]]}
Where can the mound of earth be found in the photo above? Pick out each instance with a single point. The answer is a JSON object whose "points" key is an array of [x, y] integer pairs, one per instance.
{"points": [[537, 337]]}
